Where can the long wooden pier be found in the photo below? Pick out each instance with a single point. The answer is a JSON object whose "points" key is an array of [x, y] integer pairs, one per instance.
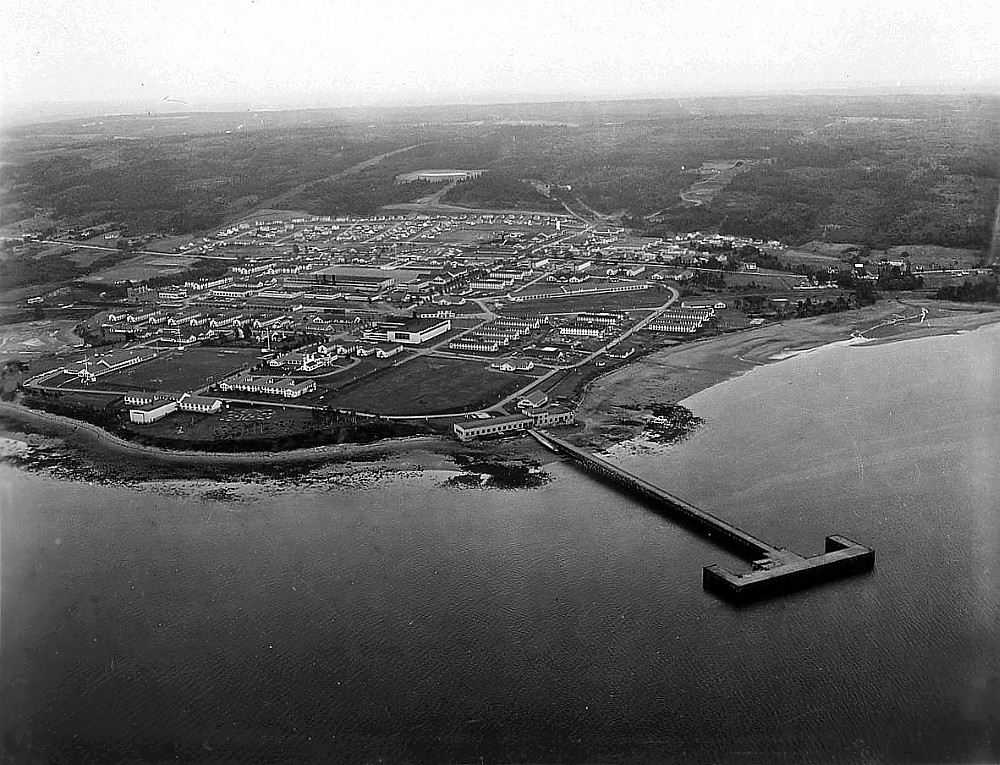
{"points": [[774, 569]]}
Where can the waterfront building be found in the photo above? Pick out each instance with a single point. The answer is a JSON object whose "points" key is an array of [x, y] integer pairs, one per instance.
{"points": [[152, 411], [499, 426], [533, 400]]}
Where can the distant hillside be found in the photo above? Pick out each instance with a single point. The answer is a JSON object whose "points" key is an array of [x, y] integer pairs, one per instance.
{"points": [[875, 171], [497, 190]]}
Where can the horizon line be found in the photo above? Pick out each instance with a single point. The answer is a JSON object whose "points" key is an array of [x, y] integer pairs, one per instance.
{"points": [[21, 111]]}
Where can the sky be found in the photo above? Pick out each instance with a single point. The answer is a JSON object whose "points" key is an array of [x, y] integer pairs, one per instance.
{"points": [[330, 53]]}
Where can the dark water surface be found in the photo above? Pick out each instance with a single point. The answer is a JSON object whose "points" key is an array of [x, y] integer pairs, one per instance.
{"points": [[406, 621]]}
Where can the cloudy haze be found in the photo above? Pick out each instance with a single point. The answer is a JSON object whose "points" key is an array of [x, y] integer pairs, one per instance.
{"points": [[335, 54]]}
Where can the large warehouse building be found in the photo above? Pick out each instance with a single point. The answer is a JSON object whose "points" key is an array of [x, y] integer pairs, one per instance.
{"points": [[408, 331]]}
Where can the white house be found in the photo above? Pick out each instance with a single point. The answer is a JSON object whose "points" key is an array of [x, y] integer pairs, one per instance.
{"points": [[189, 402], [514, 365], [533, 400]]}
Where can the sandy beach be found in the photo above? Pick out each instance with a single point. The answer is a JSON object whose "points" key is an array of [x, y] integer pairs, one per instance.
{"points": [[614, 407]]}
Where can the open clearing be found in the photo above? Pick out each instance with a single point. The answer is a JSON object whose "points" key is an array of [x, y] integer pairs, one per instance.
{"points": [[431, 386], [715, 176], [930, 255], [141, 268], [37, 337]]}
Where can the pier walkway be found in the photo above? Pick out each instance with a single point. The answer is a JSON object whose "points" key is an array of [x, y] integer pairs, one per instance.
{"points": [[775, 569]]}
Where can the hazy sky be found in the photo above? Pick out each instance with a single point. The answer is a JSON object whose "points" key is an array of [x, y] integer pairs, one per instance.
{"points": [[317, 52]]}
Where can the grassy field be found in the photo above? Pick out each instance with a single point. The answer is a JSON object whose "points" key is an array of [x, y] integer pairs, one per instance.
{"points": [[819, 254], [769, 280], [431, 386], [180, 370], [140, 268], [812, 258], [929, 255], [467, 235]]}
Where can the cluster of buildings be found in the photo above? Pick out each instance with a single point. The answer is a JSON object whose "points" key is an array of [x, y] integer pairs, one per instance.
{"points": [[92, 367], [683, 320], [303, 229], [594, 325], [285, 387], [376, 286], [147, 408], [497, 334]]}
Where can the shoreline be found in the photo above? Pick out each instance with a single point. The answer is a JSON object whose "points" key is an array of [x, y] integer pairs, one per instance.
{"points": [[614, 408], [69, 428], [397, 455], [610, 410]]}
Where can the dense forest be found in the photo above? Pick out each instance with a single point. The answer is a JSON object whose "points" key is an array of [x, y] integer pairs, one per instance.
{"points": [[496, 189], [967, 292], [174, 183], [39, 267], [360, 193]]}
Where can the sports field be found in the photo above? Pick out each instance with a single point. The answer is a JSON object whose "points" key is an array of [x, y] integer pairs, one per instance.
{"points": [[431, 386], [180, 371]]}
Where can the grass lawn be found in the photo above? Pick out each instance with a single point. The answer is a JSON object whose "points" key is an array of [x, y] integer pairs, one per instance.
{"points": [[431, 386], [762, 279], [568, 384], [141, 267]]}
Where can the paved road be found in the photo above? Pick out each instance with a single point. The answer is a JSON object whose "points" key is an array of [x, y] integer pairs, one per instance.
{"points": [[640, 325], [130, 253]]}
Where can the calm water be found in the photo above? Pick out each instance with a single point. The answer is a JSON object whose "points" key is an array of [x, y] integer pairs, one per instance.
{"points": [[409, 622]]}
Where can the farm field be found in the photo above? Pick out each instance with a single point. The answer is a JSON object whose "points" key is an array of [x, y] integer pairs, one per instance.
{"points": [[773, 280], [812, 258], [930, 255], [431, 386]]}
